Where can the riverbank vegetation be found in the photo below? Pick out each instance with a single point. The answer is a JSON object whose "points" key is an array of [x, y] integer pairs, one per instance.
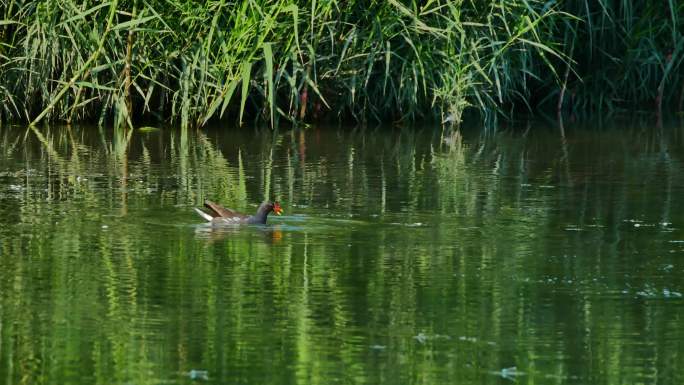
{"points": [[190, 62]]}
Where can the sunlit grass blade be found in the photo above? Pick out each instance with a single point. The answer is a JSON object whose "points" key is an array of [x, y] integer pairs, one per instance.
{"points": [[268, 57], [246, 73]]}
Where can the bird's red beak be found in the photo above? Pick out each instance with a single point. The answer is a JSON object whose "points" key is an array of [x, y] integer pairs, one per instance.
{"points": [[277, 209]]}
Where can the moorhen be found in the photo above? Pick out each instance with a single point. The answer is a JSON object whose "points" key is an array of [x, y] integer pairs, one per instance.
{"points": [[219, 215]]}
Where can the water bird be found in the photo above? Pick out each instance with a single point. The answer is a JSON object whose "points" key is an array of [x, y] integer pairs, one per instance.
{"points": [[219, 215]]}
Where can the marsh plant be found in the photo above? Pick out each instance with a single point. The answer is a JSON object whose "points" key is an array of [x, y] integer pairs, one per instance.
{"points": [[189, 62]]}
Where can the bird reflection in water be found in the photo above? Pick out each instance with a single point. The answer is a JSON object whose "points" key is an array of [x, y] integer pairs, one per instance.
{"points": [[266, 233]]}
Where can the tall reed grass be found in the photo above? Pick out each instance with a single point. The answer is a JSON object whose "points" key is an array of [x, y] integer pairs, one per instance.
{"points": [[271, 60], [626, 54]]}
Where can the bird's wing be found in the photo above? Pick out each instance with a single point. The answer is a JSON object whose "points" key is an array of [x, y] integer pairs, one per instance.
{"points": [[220, 211]]}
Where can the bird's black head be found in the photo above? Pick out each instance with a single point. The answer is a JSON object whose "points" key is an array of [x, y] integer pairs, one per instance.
{"points": [[267, 207]]}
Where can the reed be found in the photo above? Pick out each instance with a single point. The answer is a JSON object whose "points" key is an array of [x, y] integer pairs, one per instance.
{"points": [[189, 62], [626, 54]]}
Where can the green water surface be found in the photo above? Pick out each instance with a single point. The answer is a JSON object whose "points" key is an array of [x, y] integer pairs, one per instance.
{"points": [[405, 256]]}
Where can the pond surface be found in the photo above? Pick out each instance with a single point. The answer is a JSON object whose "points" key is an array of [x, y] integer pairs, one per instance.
{"points": [[403, 257]]}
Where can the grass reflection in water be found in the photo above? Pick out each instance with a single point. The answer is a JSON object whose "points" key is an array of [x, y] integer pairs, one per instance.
{"points": [[406, 256]]}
